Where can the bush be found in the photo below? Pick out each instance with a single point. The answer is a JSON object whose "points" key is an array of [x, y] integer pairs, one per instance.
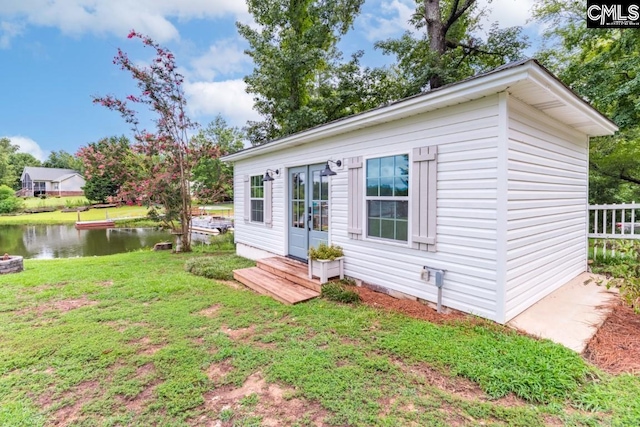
{"points": [[339, 292], [219, 243], [218, 267], [9, 203], [624, 267], [323, 251]]}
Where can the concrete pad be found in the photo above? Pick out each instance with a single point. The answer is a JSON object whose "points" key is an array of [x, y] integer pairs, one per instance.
{"points": [[571, 315]]}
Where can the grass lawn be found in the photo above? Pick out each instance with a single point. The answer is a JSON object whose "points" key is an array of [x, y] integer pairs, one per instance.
{"points": [[57, 217], [37, 202], [133, 339]]}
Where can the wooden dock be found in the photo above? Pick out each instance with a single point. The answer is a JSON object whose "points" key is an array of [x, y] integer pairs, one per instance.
{"points": [[281, 278], [99, 224]]}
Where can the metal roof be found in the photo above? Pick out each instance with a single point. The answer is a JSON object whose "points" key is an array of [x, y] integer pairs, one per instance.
{"points": [[47, 174]]}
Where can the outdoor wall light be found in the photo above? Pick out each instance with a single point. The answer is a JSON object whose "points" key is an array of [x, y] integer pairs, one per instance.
{"points": [[268, 175], [327, 169]]}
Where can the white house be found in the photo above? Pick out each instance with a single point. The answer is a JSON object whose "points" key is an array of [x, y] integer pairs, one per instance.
{"points": [[486, 179], [37, 181]]}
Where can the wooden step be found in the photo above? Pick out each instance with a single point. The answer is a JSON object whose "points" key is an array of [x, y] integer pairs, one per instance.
{"points": [[276, 287], [294, 271]]}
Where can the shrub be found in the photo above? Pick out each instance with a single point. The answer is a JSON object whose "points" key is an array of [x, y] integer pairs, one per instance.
{"points": [[218, 267], [9, 203], [624, 267], [323, 251], [339, 292]]}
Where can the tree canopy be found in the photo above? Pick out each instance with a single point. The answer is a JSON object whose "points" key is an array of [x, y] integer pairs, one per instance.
{"points": [[62, 160], [213, 178], [444, 46], [603, 66], [12, 163], [297, 63], [108, 165]]}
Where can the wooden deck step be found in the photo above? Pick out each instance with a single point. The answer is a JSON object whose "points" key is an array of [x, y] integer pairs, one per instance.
{"points": [[294, 271], [276, 287]]}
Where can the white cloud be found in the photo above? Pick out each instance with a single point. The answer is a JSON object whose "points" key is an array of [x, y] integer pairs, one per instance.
{"points": [[9, 30], [508, 13], [223, 58], [118, 16], [228, 98], [391, 18], [28, 145]]}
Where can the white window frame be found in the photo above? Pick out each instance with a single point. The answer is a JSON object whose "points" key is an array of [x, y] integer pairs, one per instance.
{"points": [[407, 198], [252, 199]]}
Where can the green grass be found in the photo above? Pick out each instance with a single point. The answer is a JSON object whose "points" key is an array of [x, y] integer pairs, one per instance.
{"points": [[133, 339], [52, 218], [58, 217], [37, 202]]}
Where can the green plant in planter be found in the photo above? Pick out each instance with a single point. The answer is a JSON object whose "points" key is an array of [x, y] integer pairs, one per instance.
{"points": [[324, 251]]}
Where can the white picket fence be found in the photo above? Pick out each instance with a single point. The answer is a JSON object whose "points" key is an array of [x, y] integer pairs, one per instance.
{"points": [[617, 221]]}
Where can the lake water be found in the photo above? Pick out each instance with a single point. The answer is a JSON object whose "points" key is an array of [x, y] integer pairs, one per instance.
{"points": [[64, 241]]}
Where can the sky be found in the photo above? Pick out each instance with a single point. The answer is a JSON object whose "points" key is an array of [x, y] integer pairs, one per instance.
{"points": [[55, 55]]}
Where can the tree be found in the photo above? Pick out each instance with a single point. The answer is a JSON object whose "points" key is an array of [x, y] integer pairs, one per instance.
{"points": [[18, 162], [294, 52], [62, 160], [168, 154], [603, 66], [7, 171], [212, 178], [444, 50], [107, 165]]}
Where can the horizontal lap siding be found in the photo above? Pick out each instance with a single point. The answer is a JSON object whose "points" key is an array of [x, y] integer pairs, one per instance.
{"points": [[254, 234], [466, 136], [547, 199]]}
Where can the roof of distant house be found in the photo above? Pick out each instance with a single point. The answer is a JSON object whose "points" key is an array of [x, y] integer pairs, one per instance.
{"points": [[47, 174]]}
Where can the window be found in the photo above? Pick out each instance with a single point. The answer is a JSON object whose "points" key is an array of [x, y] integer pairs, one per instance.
{"points": [[387, 196], [257, 199], [56, 185]]}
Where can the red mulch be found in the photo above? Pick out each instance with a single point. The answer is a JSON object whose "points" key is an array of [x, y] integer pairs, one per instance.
{"points": [[411, 308], [615, 348]]}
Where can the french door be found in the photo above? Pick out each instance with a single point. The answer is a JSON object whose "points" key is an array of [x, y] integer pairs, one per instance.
{"points": [[308, 201]]}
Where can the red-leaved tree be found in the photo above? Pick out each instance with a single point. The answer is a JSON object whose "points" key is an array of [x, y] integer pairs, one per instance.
{"points": [[168, 154]]}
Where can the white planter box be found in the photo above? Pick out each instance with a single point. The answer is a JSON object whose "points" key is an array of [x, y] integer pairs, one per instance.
{"points": [[325, 269]]}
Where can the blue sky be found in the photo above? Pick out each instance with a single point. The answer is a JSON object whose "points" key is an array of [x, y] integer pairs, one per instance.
{"points": [[55, 55]]}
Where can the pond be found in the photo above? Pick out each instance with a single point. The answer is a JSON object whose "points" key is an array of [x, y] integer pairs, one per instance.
{"points": [[64, 241]]}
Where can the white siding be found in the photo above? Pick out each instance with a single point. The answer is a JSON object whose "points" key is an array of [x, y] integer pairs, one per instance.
{"points": [[74, 183], [466, 136], [547, 200]]}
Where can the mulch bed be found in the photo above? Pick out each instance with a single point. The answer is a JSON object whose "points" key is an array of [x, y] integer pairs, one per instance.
{"points": [[411, 308], [615, 348]]}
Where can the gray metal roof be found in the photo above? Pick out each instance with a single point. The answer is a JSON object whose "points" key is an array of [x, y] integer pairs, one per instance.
{"points": [[47, 174]]}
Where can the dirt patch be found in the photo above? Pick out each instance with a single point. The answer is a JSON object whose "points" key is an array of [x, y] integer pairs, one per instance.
{"points": [[62, 306], [239, 334], [146, 347], [615, 348], [138, 403], [210, 311], [80, 395], [415, 309], [218, 371], [275, 404], [106, 283]]}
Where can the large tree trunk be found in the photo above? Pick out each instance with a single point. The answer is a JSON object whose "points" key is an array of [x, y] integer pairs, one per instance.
{"points": [[436, 32]]}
